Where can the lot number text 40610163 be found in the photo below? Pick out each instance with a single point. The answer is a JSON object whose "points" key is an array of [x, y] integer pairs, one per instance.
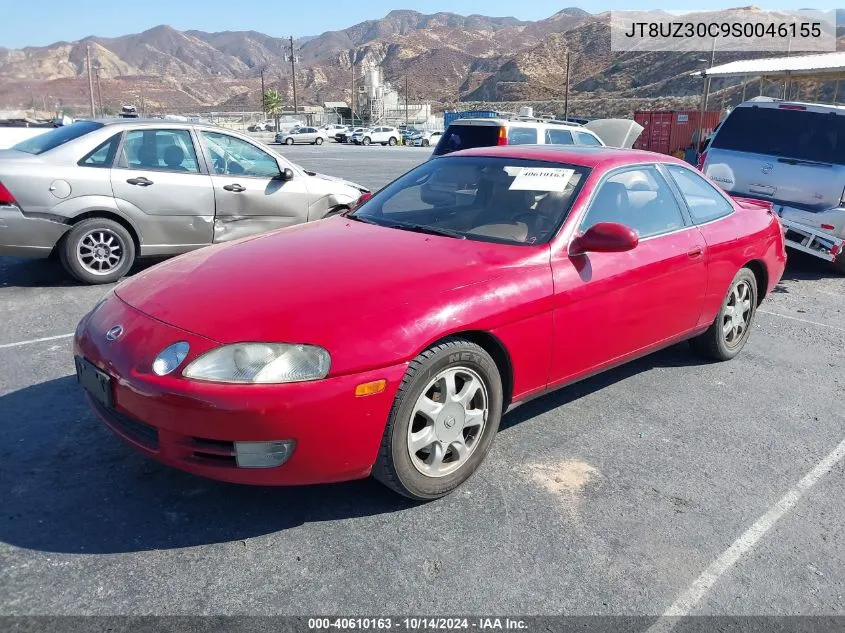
{"points": [[418, 624]]}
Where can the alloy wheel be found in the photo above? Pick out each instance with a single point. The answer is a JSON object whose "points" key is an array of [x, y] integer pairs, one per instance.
{"points": [[100, 251], [737, 314], [447, 422]]}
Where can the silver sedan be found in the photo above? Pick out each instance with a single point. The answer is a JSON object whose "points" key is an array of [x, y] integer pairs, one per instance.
{"points": [[100, 194]]}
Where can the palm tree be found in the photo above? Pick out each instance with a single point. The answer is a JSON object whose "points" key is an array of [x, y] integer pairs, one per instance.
{"points": [[273, 105]]}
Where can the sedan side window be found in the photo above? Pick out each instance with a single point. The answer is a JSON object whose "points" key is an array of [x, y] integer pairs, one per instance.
{"points": [[638, 198], [704, 201], [232, 156], [102, 155], [160, 150]]}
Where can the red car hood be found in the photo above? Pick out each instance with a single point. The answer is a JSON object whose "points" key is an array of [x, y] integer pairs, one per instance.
{"points": [[298, 283]]}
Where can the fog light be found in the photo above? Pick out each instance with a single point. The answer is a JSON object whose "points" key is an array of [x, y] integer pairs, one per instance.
{"points": [[262, 454]]}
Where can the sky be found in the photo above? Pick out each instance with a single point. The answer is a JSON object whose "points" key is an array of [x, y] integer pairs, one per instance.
{"points": [[41, 22]]}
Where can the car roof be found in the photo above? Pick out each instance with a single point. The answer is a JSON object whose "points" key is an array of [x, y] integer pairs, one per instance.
{"points": [[793, 105], [521, 122], [585, 156]]}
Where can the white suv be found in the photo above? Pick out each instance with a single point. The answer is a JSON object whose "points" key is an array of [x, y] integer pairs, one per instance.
{"points": [[467, 133], [383, 135]]}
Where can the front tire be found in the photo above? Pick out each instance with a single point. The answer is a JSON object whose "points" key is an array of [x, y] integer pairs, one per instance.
{"points": [[366, 140], [97, 251], [443, 421], [729, 332], [319, 141], [425, 143], [288, 141], [392, 141]]}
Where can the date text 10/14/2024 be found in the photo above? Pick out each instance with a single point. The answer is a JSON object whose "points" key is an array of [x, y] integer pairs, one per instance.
{"points": [[417, 624]]}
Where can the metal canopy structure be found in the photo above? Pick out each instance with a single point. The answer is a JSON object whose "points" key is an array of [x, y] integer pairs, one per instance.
{"points": [[827, 65]]}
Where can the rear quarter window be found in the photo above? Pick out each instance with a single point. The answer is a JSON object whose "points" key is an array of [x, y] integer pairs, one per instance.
{"points": [[56, 137], [704, 201], [522, 136], [800, 134], [559, 137]]}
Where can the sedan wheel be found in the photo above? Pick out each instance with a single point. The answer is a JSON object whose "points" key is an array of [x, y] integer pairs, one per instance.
{"points": [[425, 143], [366, 140], [729, 332], [392, 141], [288, 141], [444, 418], [319, 141], [97, 251]]}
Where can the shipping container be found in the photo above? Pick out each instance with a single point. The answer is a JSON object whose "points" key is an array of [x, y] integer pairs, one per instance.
{"points": [[667, 132], [448, 117]]}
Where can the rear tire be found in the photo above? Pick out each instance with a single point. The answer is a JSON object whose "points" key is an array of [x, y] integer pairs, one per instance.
{"points": [[449, 404], [839, 264], [729, 332], [97, 251], [425, 143]]}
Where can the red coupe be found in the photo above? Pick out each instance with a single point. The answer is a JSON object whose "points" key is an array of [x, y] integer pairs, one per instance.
{"points": [[390, 341]]}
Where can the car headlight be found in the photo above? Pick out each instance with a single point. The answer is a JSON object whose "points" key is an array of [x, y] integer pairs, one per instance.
{"points": [[261, 363]]}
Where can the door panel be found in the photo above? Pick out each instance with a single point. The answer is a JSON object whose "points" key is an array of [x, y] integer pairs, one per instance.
{"points": [[157, 182], [251, 197], [609, 306]]}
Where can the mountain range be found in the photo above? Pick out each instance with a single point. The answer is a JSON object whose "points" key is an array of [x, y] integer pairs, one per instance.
{"points": [[443, 57]]}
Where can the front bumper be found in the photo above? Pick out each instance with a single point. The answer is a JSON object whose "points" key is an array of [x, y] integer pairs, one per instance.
{"points": [[192, 425], [23, 236]]}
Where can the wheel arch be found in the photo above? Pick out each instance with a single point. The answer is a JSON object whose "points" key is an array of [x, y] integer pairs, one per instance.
{"points": [[761, 274], [498, 352], [107, 215]]}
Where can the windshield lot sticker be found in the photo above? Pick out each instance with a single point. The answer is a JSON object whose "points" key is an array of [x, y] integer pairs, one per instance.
{"points": [[541, 179]]}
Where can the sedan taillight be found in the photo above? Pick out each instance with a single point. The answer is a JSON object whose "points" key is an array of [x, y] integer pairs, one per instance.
{"points": [[6, 196]]}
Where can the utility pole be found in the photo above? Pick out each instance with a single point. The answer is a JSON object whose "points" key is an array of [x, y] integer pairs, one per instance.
{"points": [[406, 100], [293, 73], [352, 96], [90, 79], [566, 93], [99, 92], [263, 97]]}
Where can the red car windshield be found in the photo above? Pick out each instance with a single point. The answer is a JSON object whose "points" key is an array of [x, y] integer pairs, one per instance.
{"points": [[508, 200]]}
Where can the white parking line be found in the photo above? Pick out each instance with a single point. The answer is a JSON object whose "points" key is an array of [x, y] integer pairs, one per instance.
{"points": [[35, 340], [687, 601], [786, 316]]}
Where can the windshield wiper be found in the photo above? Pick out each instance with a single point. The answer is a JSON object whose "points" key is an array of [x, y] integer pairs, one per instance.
{"points": [[365, 219], [431, 230]]}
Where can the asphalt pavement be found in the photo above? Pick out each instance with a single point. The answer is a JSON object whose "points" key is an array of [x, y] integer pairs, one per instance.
{"points": [[613, 496]]}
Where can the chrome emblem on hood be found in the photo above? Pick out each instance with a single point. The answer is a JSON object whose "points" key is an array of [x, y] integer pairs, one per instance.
{"points": [[767, 168], [114, 333]]}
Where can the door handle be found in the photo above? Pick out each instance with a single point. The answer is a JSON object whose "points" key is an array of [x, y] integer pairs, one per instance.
{"points": [[140, 181], [695, 252], [235, 187]]}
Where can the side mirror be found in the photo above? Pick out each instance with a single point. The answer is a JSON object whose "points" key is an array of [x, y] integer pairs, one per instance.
{"points": [[604, 237], [286, 175]]}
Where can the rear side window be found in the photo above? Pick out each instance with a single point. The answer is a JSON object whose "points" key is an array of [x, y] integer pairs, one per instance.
{"points": [[102, 155], [783, 133], [559, 137], [57, 136], [704, 202], [163, 150], [586, 139], [458, 137], [522, 136]]}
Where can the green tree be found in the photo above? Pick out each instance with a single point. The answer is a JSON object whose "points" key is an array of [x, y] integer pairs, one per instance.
{"points": [[273, 105]]}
